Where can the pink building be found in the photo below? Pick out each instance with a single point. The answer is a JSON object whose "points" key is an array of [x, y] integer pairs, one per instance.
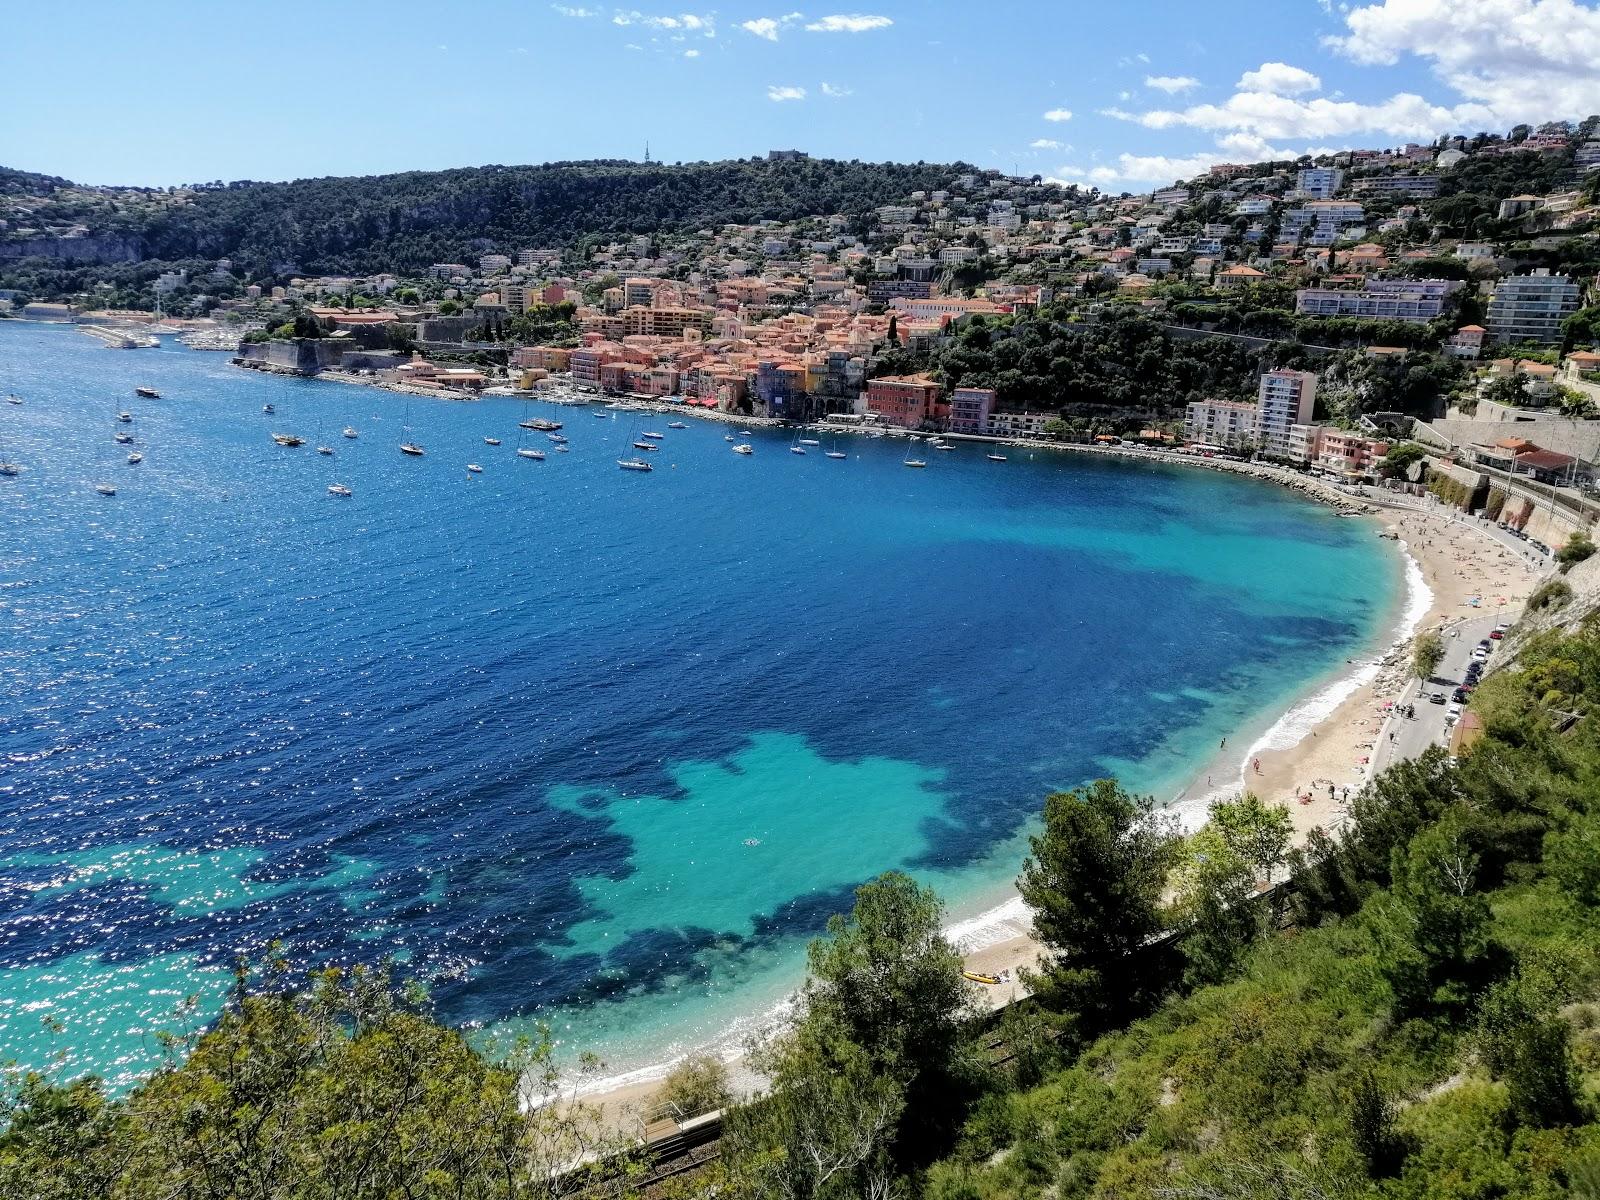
{"points": [[904, 400]]}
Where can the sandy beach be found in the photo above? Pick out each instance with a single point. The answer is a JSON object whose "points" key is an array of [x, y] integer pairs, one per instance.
{"points": [[1458, 561]]}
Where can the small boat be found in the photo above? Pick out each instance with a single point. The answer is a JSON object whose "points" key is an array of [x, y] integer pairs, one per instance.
{"points": [[135, 459], [650, 434], [339, 489], [474, 468], [10, 469], [915, 462], [491, 441], [530, 452], [727, 437], [125, 417], [541, 424], [797, 449], [634, 464], [268, 409], [836, 454], [563, 449], [13, 398], [809, 442], [105, 489], [744, 433], [350, 431], [149, 393], [981, 977], [943, 446], [744, 448], [412, 449], [557, 438], [122, 439], [328, 450], [995, 457], [600, 416], [645, 446], [288, 439], [676, 425]]}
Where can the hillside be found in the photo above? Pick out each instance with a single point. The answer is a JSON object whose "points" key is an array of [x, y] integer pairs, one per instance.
{"points": [[363, 224]]}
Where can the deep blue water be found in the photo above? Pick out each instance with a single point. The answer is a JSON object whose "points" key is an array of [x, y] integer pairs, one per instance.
{"points": [[573, 743]]}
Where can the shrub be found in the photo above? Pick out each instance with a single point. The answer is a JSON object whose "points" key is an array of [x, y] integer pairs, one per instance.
{"points": [[1552, 593], [1579, 547], [699, 1084]]}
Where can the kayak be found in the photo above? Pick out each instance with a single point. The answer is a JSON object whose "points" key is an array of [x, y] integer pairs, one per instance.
{"points": [[980, 977]]}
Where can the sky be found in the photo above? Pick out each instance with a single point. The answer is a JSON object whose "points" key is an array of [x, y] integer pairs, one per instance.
{"points": [[1122, 94]]}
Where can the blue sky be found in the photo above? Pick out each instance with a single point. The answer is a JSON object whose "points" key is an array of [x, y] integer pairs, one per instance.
{"points": [[1121, 93]]}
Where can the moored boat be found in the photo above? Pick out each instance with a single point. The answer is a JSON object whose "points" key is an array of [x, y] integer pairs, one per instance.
{"points": [[530, 452], [412, 448], [489, 441], [676, 425], [351, 432], [836, 454], [125, 417], [105, 489], [149, 393], [135, 459], [122, 439], [474, 469], [914, 462], [9, 469], [339, 489], [268, 409], [744, 448], [288, 439], [995, 457], [634, 464]]}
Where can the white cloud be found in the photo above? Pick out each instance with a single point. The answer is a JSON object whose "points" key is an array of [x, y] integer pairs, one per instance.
{"points": [[1280, 79], [769, 27], [848, 23], [837, 90], [691, 54], [580, 13], [1171, 84], [1513, 60], [779, 94], [1058, 114], [1270, 116], [1151, 168], [1045, 144]]}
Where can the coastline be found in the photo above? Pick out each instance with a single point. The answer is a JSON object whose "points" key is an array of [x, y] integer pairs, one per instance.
{"points": [[1325, 734]]}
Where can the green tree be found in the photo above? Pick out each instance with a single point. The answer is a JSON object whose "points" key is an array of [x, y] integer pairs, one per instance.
{"points": [[1374, 1127], [1579, 546], [1427, 652], [1258, 833], [1094, 879], [698, 1084]]}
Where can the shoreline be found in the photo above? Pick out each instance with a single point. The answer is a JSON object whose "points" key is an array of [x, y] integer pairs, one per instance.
{"points": [[1326, 734]]}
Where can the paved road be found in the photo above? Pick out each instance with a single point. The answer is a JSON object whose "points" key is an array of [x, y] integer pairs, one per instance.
{"points": [[1402, 738]]}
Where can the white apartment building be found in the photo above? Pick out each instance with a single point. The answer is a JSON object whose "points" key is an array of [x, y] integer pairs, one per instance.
{"points": [[1530, 308], [1018, 424], [1414, 300], [1320, 183], [1227, 423], [1286, 399]]}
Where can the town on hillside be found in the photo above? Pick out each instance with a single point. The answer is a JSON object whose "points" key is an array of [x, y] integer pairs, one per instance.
{"points": [[1319, 313]]}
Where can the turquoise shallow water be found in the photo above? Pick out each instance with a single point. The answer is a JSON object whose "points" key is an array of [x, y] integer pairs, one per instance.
{"points": [[572, 744]]}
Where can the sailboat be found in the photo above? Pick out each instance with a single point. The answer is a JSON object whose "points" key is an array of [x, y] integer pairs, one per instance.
{"points": [[796, 448], [350, 431], [676, 425], [996, 457], [489, 441], [413, 448], [339, 489], [13, 398], [914, 462], [834, 451], [634, 464], [525, 451]]}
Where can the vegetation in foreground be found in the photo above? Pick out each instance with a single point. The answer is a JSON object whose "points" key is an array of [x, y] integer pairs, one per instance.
{"points": [[1416, 1015]]}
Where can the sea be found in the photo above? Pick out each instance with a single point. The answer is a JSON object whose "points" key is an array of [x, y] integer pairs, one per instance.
{"points": [[573, 746]]}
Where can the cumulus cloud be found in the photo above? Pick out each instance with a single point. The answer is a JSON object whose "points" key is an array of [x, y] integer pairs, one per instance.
{"points": [[1270, 116], [849, 23], [1280, 79], [579, 13], [1512, 60], [769, 27], [691, 54], [779, 94], [1045, 144], [1171, 84], [836, 90], [1058, 114]]}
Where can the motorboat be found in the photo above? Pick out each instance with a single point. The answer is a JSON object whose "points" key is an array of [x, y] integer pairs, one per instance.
{"points": [[634, 464], [105, 489], [645, 446], [915, 462], [13, 398], [728, 437], [530, 452], [288, 439], [557, 438], [488, 441], [474, 469], [122, 439], [328, 450], [339, 489], [149, 393], [125, 417], [676, 425], [412, 449], [135, 459], [10, 469], [350, 431], [744, 448], [268, 409], [744, 433], [563, 448]]}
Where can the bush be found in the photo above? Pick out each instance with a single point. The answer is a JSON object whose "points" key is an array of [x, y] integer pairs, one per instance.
{"points": [[1552, 593], [1579, 547], [699, 1084]]}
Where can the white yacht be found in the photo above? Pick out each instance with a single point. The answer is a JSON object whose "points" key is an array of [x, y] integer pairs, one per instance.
{"points": [[135, 459], [328, 450], [105, 489], [412, 448], [350, 431], [339, 489], [634, 464], [530, 452], [744, 448], [474, 468]]}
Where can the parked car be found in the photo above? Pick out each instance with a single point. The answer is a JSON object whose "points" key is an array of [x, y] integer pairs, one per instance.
{"points": [[1436, 698], [1460, 694]]}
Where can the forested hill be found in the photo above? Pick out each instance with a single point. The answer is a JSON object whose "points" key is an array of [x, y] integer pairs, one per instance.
{"points": [[363, 224]]}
